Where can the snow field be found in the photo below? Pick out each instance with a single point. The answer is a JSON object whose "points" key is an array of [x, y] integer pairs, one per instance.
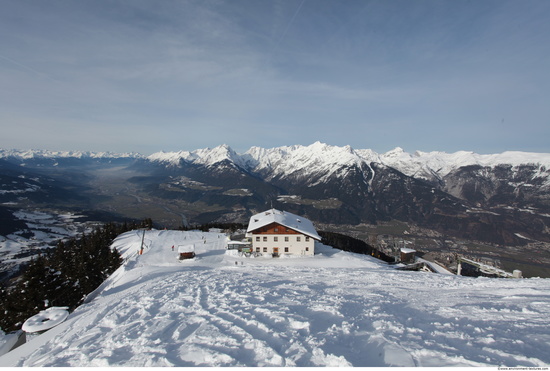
{"points": [[333, 309]]}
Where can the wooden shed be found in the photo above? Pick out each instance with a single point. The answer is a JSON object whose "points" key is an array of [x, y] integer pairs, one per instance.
{"points": [[408, 255], [186, 251]]}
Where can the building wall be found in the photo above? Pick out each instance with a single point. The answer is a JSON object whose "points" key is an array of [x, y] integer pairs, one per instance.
{"points": [[296, 244], [265, 240]]}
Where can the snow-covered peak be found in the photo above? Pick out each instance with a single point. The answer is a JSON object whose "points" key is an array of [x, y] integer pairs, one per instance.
{"points": [[369, 155], [204, 156], [321, 154], [172, 158], [217, 154], [422, 164], [317, 158], [515, 158], [396, 152], [262, 158]]}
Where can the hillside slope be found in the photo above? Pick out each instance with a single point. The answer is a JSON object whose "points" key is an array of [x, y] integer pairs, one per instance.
{"points": [[334, 309]]}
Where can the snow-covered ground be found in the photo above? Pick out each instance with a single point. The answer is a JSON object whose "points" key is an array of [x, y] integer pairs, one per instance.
{"points": [[333, 309]]}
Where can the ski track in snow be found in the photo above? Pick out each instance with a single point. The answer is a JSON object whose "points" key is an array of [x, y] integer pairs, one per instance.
{"points": [[335, 309]]}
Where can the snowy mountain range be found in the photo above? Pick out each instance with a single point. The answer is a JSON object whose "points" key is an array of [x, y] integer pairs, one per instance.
{"points": [[329, 184], [45, 154], [315, 158], [320, 157]]}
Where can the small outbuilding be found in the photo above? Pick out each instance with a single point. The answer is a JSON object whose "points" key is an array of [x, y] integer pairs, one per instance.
{"points": [[408, 256], [186, 251]]}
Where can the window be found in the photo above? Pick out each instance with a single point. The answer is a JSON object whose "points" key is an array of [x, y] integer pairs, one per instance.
{"points": [[286, 249], [265, 249], [257, 239], [275, 239], [298, 239], [307, 248], [257, 249], [265, 239], [276, 229], [307, 239], [286, 239]]}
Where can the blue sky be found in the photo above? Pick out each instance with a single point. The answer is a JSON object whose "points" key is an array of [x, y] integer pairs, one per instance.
{"points": [[147, 76]]}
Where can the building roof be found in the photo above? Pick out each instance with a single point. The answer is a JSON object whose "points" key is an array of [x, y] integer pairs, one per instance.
{"points": [[436, 267], [186, 248], [289, 220]]}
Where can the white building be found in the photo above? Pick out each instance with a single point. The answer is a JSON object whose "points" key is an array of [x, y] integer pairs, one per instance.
{"points": [[276, 232]]}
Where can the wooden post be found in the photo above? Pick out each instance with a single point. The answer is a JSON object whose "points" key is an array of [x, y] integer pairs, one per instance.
{"points": [[142, 240]]}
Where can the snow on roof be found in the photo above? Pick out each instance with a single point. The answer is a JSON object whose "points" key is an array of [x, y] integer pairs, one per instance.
{"points": [[237, 243], [46, 319], [436, 267], [407, 250], [186, 248], [289, 220]]}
